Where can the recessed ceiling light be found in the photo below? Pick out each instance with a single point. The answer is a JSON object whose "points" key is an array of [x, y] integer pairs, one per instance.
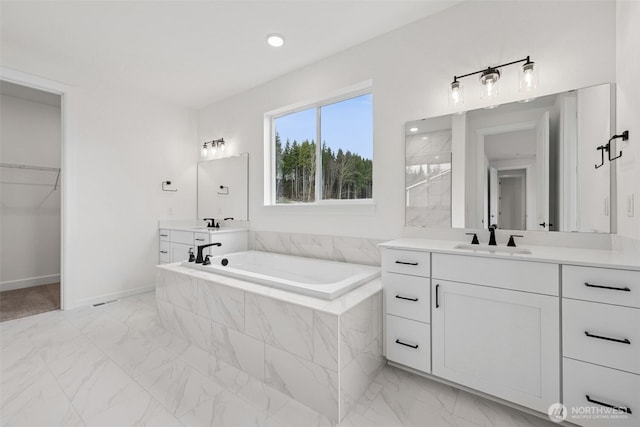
{"points": [[413, 129], [425, 138], [275, 40]]}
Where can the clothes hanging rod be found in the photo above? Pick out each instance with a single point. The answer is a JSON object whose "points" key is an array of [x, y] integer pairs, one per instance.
{"points": [[30, 167]]}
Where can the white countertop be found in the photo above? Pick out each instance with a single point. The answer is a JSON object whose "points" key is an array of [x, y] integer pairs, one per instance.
{"points": [[556, 255], [204, 229]]}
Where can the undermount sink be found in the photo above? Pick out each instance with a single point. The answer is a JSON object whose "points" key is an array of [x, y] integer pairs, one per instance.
{"points": [[493, 249]]}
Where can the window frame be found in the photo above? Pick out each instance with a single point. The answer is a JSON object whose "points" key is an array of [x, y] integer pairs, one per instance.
{"points": [[364, 88]]}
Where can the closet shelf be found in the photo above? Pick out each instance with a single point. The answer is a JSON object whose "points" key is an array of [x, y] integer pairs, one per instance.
{"points": [[36, 168]]}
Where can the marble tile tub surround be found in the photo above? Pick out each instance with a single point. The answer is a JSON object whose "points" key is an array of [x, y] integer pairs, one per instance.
{"points": [[324, 354], [121, 347], [337, 248]]}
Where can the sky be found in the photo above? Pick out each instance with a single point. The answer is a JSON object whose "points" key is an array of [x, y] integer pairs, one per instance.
{"points": [[347, 124]]}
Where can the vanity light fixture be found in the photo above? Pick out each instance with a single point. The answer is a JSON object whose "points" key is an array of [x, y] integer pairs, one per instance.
{"points": [[275, 40], [214, 145], [489, 78]]}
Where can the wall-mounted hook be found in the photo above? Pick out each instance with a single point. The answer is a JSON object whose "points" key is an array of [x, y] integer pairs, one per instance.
{"points": [[224, 190], [164, 184], [602, 149]]}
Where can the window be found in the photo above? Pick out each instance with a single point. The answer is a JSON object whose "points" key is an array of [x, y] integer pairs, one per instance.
{"points": [[340, 168]]}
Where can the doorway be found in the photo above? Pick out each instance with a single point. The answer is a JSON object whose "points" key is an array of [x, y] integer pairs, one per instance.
{"points": [[30, 201], [512, 200]]}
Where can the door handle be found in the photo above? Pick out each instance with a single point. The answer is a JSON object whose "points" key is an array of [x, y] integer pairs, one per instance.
{"points": [[437, 296]]}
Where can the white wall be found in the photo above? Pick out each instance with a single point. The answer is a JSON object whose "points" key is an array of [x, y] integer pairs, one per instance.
{"points": [[628, 113], [411, 69], [122, 146], [30, 134]]}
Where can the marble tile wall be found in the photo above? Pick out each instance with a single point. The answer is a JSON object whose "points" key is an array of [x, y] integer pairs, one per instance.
{"points": [[337, 248], [325, 361]]}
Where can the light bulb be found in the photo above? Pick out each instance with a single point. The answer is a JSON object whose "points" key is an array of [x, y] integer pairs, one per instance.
{"points": [[456, 93], [222, 146], [528, 77], [213, 149], [204, 150], [489, 80], [275, 40]]}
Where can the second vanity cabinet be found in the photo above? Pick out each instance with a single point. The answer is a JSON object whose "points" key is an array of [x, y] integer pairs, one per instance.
{"points": [[495, 327], [175, 243]]}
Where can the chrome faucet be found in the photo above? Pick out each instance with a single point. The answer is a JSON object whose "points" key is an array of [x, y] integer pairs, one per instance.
{"points": [[199, 259], [492, 236]]}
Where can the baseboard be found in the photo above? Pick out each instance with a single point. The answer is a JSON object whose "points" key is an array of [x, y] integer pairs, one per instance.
{"points": [[109, 297], [29, 282]]}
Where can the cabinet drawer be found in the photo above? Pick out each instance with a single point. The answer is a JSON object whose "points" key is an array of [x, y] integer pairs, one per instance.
{"points": [[165, 235], [606, 386], [406, 262], [200, 238], [407, 296], [184, 237], [537, 277], [614, 334], [408, 343], [165, 251], [608, 285]]}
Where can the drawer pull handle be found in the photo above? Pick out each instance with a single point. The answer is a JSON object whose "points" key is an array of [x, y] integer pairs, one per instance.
{"points": [[408, 299], [164, 252], [405, 344], [618, 408], [613, 288], [406, 263], [624, 341], [164, 235], [200, 240], [437, 294]]}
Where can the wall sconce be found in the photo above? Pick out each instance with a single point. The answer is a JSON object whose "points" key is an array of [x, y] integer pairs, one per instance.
{"points": [[489, 78], [215, 144]]}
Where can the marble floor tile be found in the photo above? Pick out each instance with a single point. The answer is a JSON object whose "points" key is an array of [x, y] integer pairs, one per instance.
{"points": [[225, 410], [179, 387], [115, 365]]}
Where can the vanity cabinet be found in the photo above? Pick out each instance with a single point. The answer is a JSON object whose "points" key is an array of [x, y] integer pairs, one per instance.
{"points": [[175, 244], [601, 345], [406, 289]]}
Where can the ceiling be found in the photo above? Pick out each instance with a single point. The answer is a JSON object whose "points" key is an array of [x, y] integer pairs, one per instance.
{"points": [[191, 53], [510, 145]]}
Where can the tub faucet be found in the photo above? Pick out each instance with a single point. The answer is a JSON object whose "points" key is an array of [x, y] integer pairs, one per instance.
{"points": [[199, 259], [492, 236]]}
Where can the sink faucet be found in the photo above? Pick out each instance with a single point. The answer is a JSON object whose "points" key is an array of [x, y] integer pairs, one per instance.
{"points": [[492, 236], [199, 259], [212, 223]]}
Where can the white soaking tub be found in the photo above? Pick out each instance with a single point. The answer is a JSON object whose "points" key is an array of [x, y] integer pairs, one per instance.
{"points": [[307, 276]]}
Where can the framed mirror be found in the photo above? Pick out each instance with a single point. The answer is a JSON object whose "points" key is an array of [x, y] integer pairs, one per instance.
{"points": [[223, 188], [519, 166]]}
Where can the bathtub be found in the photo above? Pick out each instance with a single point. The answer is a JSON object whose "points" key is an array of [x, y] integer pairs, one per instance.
{"points": [[307, 276]]}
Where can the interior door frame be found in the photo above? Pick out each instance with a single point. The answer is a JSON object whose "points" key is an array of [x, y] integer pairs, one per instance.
{"points": [[64, 91]]}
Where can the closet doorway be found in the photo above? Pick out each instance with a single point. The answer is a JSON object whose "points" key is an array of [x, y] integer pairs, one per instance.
{"points": [[30, 196]]}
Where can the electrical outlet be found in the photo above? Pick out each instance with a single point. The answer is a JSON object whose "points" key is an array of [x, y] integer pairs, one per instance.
{"points": [[630, 207]]}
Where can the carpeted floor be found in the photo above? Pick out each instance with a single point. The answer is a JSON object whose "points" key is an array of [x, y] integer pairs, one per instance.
{"points": [[28, 301]]}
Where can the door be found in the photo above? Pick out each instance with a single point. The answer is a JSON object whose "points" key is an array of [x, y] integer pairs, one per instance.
{"points": [[493, 199], [501, 342], [512, 202], [542, 166]]}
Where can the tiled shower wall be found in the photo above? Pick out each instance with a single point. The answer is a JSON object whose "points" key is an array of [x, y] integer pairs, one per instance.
{"points": [[337, 248]]}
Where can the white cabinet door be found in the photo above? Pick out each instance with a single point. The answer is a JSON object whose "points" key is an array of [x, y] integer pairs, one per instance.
{"points": [[502, 342], [180, 252]]}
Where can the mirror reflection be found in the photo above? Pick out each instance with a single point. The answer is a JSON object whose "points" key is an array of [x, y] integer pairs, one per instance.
{"points": [[223, 188], [520, 166]]}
